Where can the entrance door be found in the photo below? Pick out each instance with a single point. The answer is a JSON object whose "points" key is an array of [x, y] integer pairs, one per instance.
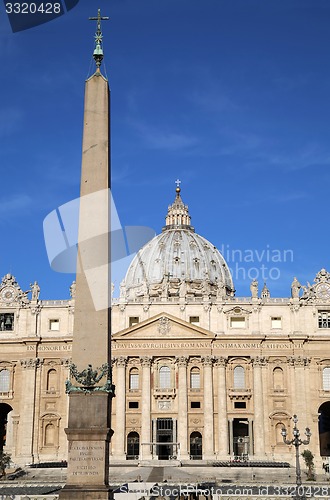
{"points": [[133, 446], [4, 410], [241, 442], [164, 438], [324, 429], [196, 446]]}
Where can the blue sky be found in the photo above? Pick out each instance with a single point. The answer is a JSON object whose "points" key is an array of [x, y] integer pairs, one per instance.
{"points": [[232, 97]]}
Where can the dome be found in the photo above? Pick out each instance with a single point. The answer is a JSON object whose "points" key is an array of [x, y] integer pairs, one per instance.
{"points": [[177, 262]]}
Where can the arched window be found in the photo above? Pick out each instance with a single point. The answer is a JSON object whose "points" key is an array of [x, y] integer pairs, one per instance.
{"points": [[50, 435], [52, 380], [164, 377], [133, 446], [195, 378], [4, 381], [278, 379], [239, 377], [134, 378], [326, 378], [278, 431], [196, 446]]}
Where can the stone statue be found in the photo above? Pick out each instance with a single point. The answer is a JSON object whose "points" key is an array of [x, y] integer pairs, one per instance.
{"points": [[254, 289], [295, 288], [183, 288], [35, 289], [73, 289]]}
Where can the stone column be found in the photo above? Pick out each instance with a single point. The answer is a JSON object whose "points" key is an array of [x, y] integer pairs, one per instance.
{"points": [[208, 437], [259, 431], [251, 439], [231, 436], [182, 408], [299, 403], [154, 436], [120, 400], [146, 409], [27, 423], [223, 444]]}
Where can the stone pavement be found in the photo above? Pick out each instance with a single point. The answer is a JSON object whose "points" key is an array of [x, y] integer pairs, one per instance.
{"points": [[45, 484]]}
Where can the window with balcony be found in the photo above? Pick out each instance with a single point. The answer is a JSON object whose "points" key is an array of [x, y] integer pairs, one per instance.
{"points": [[164, 377], [134, 379], [195, 378], [278, 379], [239, 377]]}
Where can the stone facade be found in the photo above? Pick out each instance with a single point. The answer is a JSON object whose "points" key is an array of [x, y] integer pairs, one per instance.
{"points": [[199, 373]]}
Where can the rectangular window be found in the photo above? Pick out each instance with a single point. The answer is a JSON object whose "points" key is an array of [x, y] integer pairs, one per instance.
{"points": [[133, 320], [133, 404], [324, 319], [326, 379], [276, 322], [195, 404], [6, 322], [237, 322], [240, 404], [194, 320], [54, 325]]}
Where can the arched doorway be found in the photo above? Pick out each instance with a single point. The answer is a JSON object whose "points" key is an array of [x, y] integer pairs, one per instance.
{"points": [[196, 446], [4, 410], [133, 446], [324, 429]]}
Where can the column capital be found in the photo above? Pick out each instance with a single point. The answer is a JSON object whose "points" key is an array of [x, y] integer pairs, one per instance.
{"points": [[145, 360], [30, 363], [220, 361], [298, 361], [121, 361], [207, 360], [259, 361], [181, 360]]}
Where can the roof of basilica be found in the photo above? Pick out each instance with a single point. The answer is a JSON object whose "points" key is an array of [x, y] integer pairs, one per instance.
{"points": [[177, 262]]}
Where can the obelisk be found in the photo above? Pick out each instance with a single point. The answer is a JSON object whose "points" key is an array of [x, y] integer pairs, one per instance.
{"points": [[90, 389]]}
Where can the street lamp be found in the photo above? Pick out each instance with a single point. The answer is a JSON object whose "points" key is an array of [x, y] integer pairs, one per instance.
{"points": [[296, 441]]}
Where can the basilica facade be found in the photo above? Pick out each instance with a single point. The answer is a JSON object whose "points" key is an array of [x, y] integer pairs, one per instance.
{"points": [[200, 373]]}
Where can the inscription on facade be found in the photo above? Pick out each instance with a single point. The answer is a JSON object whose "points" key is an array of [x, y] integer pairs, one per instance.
{"points": [[206, 345], [65, 347]]}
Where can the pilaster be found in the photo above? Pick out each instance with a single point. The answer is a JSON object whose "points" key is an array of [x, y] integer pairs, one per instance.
{"points": [[208, 437], [223, 445], [182, 407], [119, 435], [146, 409]]}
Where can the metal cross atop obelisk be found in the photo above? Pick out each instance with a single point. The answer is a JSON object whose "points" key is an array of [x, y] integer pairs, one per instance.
{"points": [[98, 52], [90, 386]]}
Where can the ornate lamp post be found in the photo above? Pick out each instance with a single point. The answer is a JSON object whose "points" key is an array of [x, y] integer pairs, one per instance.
{"points": [[297, 442]]}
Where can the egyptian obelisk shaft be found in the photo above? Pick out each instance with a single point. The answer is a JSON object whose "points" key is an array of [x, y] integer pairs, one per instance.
{"points": [[90, 388]]}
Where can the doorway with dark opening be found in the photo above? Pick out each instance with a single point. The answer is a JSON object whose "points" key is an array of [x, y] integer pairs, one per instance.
{"points": [[241, 438], [164, 438]]}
